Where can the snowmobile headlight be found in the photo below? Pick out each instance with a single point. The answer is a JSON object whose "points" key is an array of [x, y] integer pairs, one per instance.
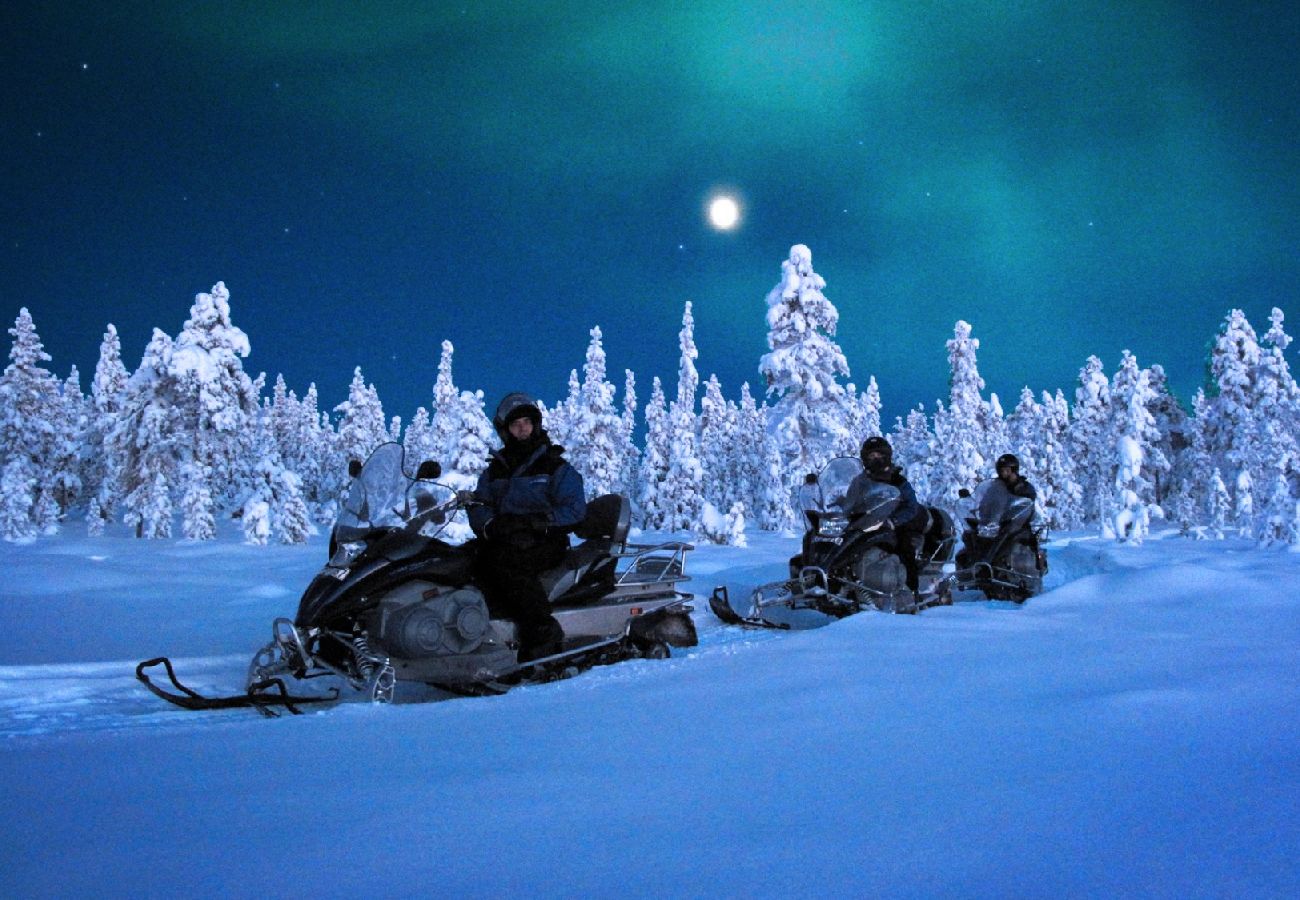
{"points": [[990, 531], [832, 527], [346, 553]]}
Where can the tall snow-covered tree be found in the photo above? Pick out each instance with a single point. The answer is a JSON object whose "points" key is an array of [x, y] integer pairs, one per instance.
{"points": [[106, 393], [683, 486], [1131, 402], [808, 418], [67, 459], [961, 427], [652, 501], [1090, 441], [446, 408], [1059, 494], [32, 428], [718, 447], [1230, 427], [214, 399], [362, 427], [142, 445], [629, 455], [594, 442]]}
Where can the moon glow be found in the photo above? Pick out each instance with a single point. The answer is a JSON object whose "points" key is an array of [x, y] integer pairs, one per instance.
{"points": [[724, 212]]}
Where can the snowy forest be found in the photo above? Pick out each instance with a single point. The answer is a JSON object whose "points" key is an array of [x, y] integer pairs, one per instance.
{"points": [[189, 440]]}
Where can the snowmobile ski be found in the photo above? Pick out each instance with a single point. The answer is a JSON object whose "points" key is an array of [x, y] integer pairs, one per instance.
{"points": [[720, 603], [271, 694]]}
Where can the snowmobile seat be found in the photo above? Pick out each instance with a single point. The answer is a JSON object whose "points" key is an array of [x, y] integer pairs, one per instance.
{"points": [[587, 572], [609, 517]]}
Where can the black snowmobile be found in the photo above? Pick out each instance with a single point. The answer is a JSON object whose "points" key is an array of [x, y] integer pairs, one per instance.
{"points": [[848, 562], [1000, 554], [395, 602]]}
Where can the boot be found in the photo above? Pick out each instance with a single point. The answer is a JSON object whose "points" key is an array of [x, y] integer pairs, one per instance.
{"points": [[545, 637]]}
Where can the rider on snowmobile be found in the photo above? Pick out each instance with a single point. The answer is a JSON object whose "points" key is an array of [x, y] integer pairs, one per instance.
{"points": [[908, 518], [528, 499]]}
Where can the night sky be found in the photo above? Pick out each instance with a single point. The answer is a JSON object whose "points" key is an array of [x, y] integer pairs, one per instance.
{"points": [[370, 179]]}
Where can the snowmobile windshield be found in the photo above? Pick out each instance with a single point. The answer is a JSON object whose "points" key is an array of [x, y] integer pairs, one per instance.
{"points": [[996, 505], [872, 502], [833, 484], [384, 496]]}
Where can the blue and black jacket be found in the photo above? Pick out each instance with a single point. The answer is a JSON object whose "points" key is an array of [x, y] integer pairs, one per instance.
{"points": [[543, 489]]}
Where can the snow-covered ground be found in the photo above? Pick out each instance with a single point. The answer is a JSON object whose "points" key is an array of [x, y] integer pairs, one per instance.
{"points": [[1132, 731]]}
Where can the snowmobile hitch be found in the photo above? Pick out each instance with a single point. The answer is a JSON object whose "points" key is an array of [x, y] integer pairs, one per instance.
{"points": [[262, 698]]}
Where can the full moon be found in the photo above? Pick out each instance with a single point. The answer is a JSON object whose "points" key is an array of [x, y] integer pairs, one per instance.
{"points": [[724, 213]]}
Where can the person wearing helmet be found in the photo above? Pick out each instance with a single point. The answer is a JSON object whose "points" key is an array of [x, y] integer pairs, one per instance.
{"points": [[908, 519], [528, 499], [1008, 469]]}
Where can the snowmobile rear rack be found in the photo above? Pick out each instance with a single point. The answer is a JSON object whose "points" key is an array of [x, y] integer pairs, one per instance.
{"points": [[263, 698]]}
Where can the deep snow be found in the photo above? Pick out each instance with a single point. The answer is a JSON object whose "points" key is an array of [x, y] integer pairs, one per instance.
{"points": [[1132, 731]]}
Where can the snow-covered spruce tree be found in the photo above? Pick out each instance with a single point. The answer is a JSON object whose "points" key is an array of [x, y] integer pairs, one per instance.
{"points": [[652, 502], [1188, 494], [318, 464], [683, 486], [1089, 438], [629, 455], [1219, 506], [727, 528], [1277, 400], [141, 447], [362, 427], [106, 393], [442, 423], [760, 482], [32, 428], [17, 496], [1277, 524], [867, 416], [808, 419], [417, 443], [594, 440], [558, 419], [1243, 504], [275, 506], [718, 446], [68, 453], [1170, 427], [1135, 436], [914, 452], [197, 520], [961, 428], [468, 455], [1230, 427], [1059, 494], [1024, 434], [1129, 519], [214, 399], [303, 445]]}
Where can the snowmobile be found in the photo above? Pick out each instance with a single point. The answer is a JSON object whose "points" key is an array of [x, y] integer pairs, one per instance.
{"points": [[848, 563], [397, 603], [1000, 555]]}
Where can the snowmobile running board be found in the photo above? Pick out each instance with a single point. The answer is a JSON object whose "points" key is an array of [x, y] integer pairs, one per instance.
{"points": [[720, 603], [272, 693]]}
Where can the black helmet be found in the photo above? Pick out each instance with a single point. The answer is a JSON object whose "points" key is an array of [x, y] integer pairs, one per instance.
{"points": [[513, 406], [877, 447], [1007, 461]]}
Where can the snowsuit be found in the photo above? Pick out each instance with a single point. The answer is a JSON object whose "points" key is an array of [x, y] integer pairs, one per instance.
{"points": [[529, 498], [991, 496], [908, 519]]}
